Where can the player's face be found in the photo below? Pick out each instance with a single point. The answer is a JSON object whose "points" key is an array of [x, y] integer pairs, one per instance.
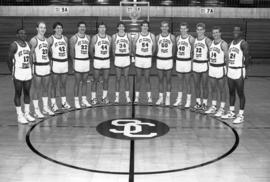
{"points": [[216, 34], [145, 27], [164, 27], [102, 29], [236, 34], [183, 30], [41, 28], [21, 35], [82, 28], [58, 30], [200, 31], [121, 27]]}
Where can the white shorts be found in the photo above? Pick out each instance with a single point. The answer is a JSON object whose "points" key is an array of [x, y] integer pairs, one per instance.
{"points": [[236, 73], [42, 70], [60, 67], [183, 66], [164, 64], [22, 74], [81, 66], [143, 62], [200, 67], [122, 61], [101, 64], [217, 72]]}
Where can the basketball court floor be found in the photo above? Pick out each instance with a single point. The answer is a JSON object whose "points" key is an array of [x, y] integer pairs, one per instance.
{"points": [[77, 146]]}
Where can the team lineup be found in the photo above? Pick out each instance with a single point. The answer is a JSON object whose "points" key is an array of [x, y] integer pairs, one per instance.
{"points": [[198, 61]]}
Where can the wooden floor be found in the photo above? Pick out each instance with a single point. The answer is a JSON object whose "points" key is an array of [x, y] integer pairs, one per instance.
{"points": [[197, 148]]}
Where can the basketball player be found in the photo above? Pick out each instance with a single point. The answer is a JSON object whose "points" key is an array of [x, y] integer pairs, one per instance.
{"points": [[165, 50], [122, 51], [80, 54], [42, 70], [144, 47], [200, 67], [19, 64], [239, 59], [185, 44], [59, 50], [100, 48], [218, 53]]}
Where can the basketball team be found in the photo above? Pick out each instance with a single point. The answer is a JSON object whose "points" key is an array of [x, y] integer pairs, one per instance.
{"points": [[198, 61]]}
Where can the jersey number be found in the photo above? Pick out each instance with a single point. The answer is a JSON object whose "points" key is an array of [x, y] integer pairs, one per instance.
{"points": [[145, 44], [232, 58], [84, 47], [104, 47], [62, 49], [25, 63]]}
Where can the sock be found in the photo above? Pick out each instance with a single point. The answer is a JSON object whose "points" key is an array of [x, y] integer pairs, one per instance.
{"points": [[241, 112], [214, 102], [222, 105], [84, 98], [127, 93], [188, 98], [19, 110], [53, 101], [94, 95], [205, 102], [232, 108], [179, 96], [198, 100], [161, 95], [35, 103], [117, 94], [63, 100], [76, 99], [168, 94], [104, 95], [26, 108], [45, 102], [137, 94], [149, 94]]}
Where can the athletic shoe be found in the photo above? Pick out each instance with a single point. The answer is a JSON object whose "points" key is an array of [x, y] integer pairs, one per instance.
{"points": [[105, 101], [85, 103], [149, 100], [136, 101], [197, 107], [38, 114], [219, 113], [229, 115], [21, 119], [187, 105], [77, 105], [47, 111], [94, 101], [239, 119], [28, 117], [167, 101], [54, 108], [211, 110], [66, 106], [178, 102], [159, 101], [116, 100], [128, 99], [203, 108]]}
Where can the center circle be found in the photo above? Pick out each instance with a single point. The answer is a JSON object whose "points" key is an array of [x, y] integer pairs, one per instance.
{"points": [[132, 128]]}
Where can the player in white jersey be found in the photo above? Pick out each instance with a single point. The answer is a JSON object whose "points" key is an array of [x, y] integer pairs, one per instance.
{"points": [[59, 52], [144, 48], [165, 42], [19, 63], [122, 51], [200, 67], [218, 54], [100, 49], [184, 54], [239, 59], [80, 56], [42, 70]]}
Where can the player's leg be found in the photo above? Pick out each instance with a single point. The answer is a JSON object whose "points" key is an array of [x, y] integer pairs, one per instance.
{"points": [[161, 88], [213, 85], [204, 82], [54, 86], [36, 95], [78, 78], [242, 100], [187, 83], [45, 82], [63, 91], [197, 87], [17, 101], [232, 90], [94, 100], [84, 102], [148, 83], [221, 88], [117, 83], [168, 87], [26, 98], [127, 84], [138, 84], [178, 101], [105, 99]]}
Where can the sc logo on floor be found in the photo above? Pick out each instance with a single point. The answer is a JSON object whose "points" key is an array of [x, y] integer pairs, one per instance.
{"points": [[132, 128]]}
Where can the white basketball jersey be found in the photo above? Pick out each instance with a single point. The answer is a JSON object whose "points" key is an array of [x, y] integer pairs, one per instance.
{"points": [[144, 45], [183, 48], [21, 57], [102, 47], [59, 48], [216, 53], [200, 50], [122, 44], [82, 48], [41, 51], [165, 46], [236, 56]]}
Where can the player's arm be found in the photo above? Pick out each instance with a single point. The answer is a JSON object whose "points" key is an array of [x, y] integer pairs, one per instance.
{"points": [[33, 45], [72, 42], [224, 47], [92, 45], [66, 40], [113, 44], [208, 43], [12, 51], [50, 43], [110, 47], [157, 38], [245, 49], [192, 41], [173, 44], [134, 44], [154, 42], [130, 45], [89, 39]]}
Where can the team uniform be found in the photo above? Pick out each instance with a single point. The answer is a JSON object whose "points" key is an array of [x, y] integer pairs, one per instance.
{"points": [[200, 58], [183, 56], [59, 55], [42, 65], [164, 54], [102, 53], [21, 65], [144, 52], [217, 66], [82, 60], [122, 51]]}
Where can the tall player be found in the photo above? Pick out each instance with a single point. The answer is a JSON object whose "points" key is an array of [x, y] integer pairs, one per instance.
{"points": [[19, 64], [42, 69], [122, 49], [80, 55], [144, 48], [165, 51], [200, 67], [59, 50], [218, 53], [239, 59], [100, 47], [185, 44]]}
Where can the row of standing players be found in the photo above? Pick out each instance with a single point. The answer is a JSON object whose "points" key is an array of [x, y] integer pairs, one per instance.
{"points": [[207, 60]]}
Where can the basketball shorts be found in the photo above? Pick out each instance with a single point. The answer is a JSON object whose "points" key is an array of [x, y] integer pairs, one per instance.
{"points": [[122, 61], [81, 66], [101, 64], [199, 67], [143, 62], [22, 74], [164, 64], [236, 73], [60, 67], [42, 69], [183, 66], [217, 71]]}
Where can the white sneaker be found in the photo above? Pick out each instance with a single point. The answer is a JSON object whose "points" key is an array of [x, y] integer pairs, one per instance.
{"points": [[220, 112], [159, 101], [116, 100], [167, 101], [94, 101], [77, 105], [28, 117], [54, 107], [187, 105], [149, 100], [211, 110], [85, 103], [47, 111], [66, 105], [178, 102], [21, 119], [239, 119], [136, 101], [38, 114], [229, 115], [128, 99]]}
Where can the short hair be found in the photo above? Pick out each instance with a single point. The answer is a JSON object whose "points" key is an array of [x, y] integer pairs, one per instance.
{"points": [[145, 22], [164, 22], [200, 25], [81, 23], [56, 24], [18, 30], [184, 24], [101, 23], [40, 22], [120, 23], [216, 28], [237, 28]]}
